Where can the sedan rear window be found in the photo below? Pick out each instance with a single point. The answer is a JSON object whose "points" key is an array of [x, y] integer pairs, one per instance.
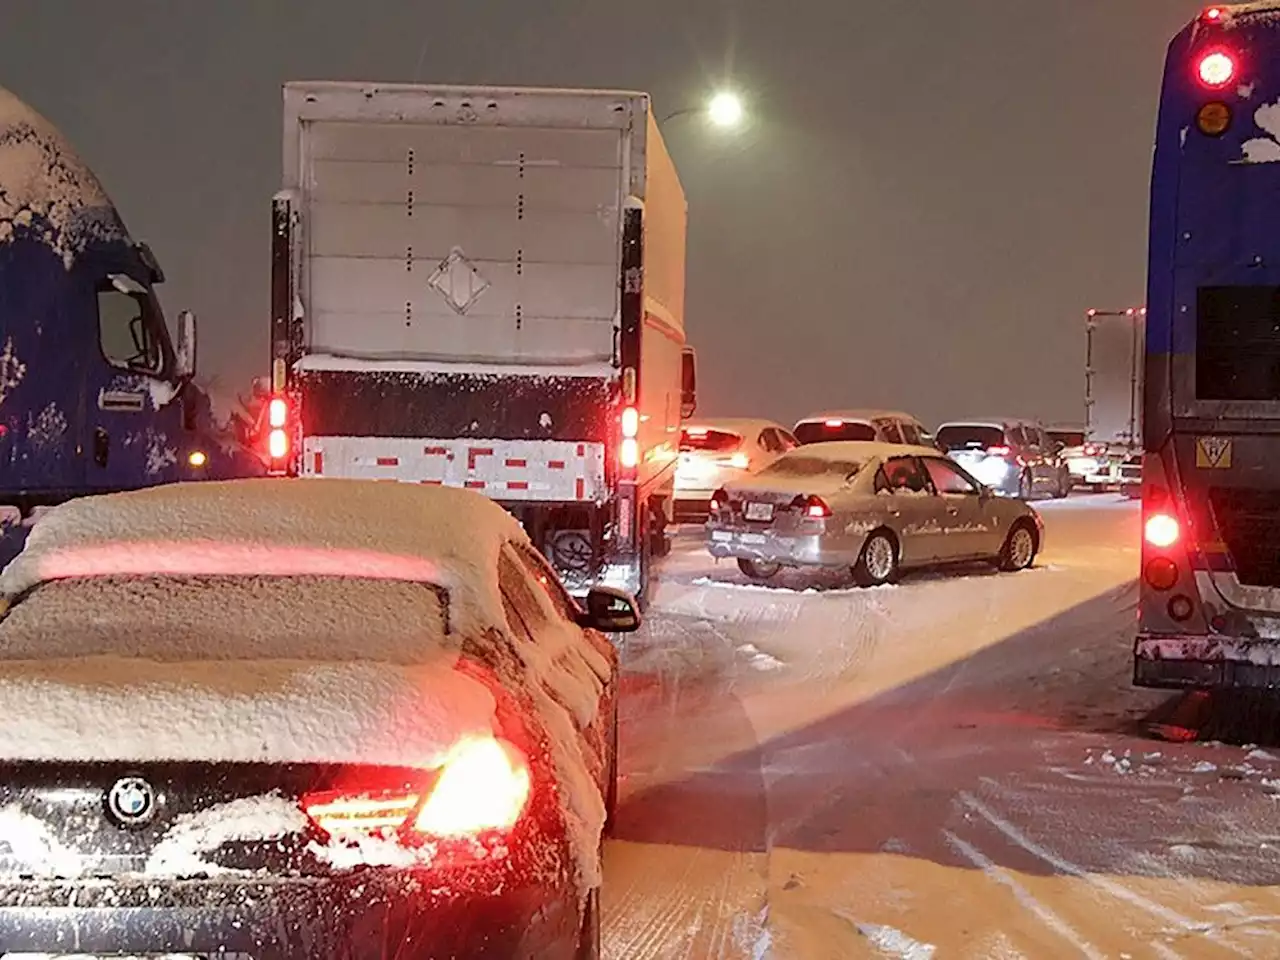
{"points": [[712, 441], [246, 618], [970, 436], [810, 466], [820, 431]]}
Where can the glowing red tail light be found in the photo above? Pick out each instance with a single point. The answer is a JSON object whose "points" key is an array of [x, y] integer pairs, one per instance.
{"points": [[833, 424], [1216, 69], [483, 785], [629, 450], [277, 412], [998, 451], [814, 507], [1162, 530], [1214, 14], [278, 420]]}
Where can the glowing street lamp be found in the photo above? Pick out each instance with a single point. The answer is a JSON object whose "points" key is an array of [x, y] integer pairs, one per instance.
{"points": [[725, 109]]}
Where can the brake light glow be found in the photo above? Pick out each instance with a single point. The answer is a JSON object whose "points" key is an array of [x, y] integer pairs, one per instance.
{"points": [[484, 786], [834, 424], [278, 444], [998, 451], [277, 412], [1213, 14], [1216, 69], [630, 422], [629, 452], [813, 507], [342, 814], [740, 460], [1161, 530]]}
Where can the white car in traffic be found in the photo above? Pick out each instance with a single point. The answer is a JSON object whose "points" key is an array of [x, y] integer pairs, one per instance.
{"points": [[716, 452]]}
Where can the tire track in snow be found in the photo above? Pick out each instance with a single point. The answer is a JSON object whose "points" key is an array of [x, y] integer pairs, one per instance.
{"points": [[1023, 896], [1117, 890]]}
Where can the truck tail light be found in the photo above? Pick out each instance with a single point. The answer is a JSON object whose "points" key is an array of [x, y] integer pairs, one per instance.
{"points": [[1162, 530], [278, 444], [629, 449], [483, 786], [739, 461], [277, 412]]}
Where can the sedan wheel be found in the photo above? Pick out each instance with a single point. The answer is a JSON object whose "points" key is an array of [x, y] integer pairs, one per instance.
{"points": [[1019, 550], [878, 563], [759, 570]]}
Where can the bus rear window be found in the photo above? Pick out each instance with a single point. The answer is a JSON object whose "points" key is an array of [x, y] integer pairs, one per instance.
{"points": [[712, 441], [1238, 343], [820, 431]]}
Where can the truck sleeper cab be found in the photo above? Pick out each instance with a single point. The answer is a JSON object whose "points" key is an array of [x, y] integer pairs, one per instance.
{"points": [[94, 396]]}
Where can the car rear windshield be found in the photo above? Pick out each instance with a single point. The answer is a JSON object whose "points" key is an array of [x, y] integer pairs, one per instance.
{"points": [[970, 436], [820, 431], [170, 618], [711, 441], [809, 466], [1237, 350]]}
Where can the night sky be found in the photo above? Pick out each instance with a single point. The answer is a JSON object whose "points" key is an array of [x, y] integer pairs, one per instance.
{"points": [[929, 196]]}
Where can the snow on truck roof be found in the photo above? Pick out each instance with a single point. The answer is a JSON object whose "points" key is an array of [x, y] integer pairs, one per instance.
{"points": [[45, 188]]}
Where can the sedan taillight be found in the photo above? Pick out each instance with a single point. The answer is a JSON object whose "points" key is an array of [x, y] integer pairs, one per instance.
{"points": [[813, 507]]}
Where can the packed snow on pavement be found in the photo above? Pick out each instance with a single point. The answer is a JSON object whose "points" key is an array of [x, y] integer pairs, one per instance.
{"points": [[953, 766]]}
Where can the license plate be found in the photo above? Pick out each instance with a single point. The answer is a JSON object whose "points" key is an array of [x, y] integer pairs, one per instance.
{"points": [[721, 535], [758, 511], [755, 539]]}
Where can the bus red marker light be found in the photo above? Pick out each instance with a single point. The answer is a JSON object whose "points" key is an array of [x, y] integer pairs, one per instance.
{"points": [[1161, 530], [1216, 69]]}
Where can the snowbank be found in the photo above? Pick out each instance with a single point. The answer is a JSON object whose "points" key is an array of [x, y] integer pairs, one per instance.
{"points": [[155, 625], [45, 188]]}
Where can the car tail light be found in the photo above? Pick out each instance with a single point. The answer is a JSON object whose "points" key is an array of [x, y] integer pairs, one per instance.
{"points": [[483, 786], [1162, 530], [814, 507], [1216, 69], [833, 424], [1092, 450], [998, 451], [1213, 14], [740, 460]]}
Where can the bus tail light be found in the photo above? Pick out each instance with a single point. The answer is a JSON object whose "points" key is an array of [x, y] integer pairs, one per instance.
{"points": [[1161, 573], [1162, 530], [1216, 69]]}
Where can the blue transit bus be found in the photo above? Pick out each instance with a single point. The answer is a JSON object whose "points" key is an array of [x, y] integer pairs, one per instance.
{"points": [[1209, 608]]}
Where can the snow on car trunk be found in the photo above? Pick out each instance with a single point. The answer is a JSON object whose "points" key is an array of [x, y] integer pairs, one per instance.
{"points": [[280, 622]]}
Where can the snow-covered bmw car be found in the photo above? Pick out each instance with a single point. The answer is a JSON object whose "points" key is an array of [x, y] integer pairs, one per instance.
{"points": [[285, 719], [877, 508]]}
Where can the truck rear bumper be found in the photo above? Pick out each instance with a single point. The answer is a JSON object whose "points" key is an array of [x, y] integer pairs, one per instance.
{"points": [[1206, 663]]}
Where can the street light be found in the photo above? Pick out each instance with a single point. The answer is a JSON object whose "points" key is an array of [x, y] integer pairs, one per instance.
{"points": [[723, 110]]}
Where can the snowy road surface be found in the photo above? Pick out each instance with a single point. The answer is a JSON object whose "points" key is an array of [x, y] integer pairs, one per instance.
{"points": [[943, 768]]}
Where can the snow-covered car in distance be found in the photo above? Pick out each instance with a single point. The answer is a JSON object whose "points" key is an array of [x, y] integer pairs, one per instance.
{"points": [[885, 426], [713, 452], [876, 508], [301, 719]]}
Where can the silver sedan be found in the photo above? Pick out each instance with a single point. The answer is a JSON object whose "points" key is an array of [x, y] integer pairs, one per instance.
{"points": [[877, 508]]}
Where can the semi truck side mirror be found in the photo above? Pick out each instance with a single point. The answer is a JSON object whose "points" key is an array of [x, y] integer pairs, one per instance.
{"points": [[186, 346], [688, 383]]}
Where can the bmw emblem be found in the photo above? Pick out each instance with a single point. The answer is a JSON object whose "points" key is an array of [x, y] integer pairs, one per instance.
{"points": [[132, 801]]}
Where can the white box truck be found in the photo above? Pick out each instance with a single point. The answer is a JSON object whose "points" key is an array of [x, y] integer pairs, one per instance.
{"points": [[1114, 363], [484, 288]]}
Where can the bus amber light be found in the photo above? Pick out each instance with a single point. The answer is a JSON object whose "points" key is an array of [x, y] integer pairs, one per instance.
{"points": [[1216, 69], [1162, 530]]}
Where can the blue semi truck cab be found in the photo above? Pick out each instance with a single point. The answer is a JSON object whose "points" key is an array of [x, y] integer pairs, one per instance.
{"points": [[95, 393]]}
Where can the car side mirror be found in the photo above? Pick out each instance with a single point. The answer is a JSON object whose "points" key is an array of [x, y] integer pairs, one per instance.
{"points": [[610, 610], [186, 346]]}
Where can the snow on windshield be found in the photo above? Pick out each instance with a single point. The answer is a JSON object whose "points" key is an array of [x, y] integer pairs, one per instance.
{"points": [[45, 188]]}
